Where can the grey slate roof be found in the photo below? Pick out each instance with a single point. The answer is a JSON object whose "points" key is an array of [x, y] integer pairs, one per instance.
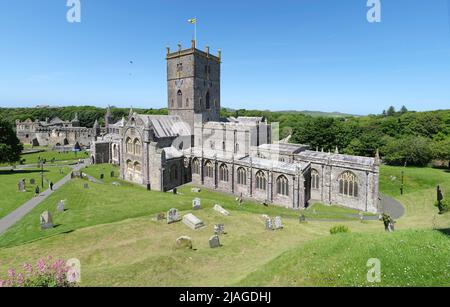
{"points": [[166, 125], [336, 158]]}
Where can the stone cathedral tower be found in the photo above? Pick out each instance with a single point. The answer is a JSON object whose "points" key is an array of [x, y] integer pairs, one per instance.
{"points": [[193, 84]]}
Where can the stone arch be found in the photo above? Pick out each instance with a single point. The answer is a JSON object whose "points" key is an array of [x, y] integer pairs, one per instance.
{"points": [[180, 99], [196, 166], [223, 172], [261, 181], [242, 176], [282, 185], [315, 179], [209, 169]]}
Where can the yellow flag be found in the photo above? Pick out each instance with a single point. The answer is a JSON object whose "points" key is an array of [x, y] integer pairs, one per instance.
{"points": [[192, 20]]}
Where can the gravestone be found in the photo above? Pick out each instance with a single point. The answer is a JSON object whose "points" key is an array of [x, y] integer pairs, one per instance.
{"points": [[302, 218], [112, 174], [32, 181], [269, 224], [195, 190], [221, 210], [102, 176], [116, 184], [175, 191], [197, 204], [192, 221], [277, 223], [46, 220], [161, 216], [214, 241], [219, 229], [60, 206], [21, 186], [86, 186], [173, 216], [184, 242]]}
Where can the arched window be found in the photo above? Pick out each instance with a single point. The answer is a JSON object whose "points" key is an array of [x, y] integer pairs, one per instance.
{"points": [[223, 173], [282, 186], [209, 169], [137, 147], [180, 99], [173, 173], [129, 165], [315, 179], [196, 167], [261, 181], [137, 167], [129, 146], [208, 103], [348, 184], [242, 176], [115, 152]]}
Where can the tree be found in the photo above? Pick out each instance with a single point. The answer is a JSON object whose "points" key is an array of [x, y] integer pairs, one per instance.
{"points": [[409, 150], [390, 111], [403, 110], [10, 146]]}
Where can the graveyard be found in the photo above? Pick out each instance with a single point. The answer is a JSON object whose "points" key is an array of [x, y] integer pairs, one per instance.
{"points": [[120, 233]]}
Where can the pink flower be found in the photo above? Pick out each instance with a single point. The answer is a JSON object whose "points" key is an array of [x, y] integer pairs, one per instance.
{"points": [[28, 268], [20, 279], [11, 273], [41, 266], [2, 283]]}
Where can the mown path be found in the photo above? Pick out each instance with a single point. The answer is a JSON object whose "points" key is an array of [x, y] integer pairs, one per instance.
{"points": [[19, 213]]}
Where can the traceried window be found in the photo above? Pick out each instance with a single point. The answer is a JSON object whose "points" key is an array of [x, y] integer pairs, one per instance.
{"points": [[261, 181], [196, 167], [179, 99], [223, 173], [137, 147], [129, 146], [242, 176], [315, 180], [129, 165], [282, 186], [115, 152], [209, 170], [137, 167], [348, 184]]}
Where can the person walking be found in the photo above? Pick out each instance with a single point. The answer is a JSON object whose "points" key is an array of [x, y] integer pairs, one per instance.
{"points": [[51, 185], [36, 191]]}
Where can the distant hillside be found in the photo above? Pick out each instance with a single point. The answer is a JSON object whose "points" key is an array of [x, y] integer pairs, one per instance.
{"points": [[305, 112]]}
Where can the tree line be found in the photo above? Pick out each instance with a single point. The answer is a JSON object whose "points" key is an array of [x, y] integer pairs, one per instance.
{"points": [[402, 138]]}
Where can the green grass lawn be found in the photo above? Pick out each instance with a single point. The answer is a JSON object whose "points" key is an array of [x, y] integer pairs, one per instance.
{"points": [[112, 231], [49, 155], [11, 198]]}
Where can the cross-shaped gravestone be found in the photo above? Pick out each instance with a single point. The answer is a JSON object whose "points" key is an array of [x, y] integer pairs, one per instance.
{"points": [[219, 229]]}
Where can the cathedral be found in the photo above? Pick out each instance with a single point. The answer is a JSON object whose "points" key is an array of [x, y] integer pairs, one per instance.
{"points": [[237, 155]]}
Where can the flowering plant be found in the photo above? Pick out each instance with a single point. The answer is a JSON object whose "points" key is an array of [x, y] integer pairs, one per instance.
{"points": [[46, 273]]}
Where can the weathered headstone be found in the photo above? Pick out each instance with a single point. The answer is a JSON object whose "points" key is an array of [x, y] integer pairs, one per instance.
{"points": [[116, 184], [277, 223], [60, 207], [102, 176], [21, 186], [161, 216], [302, 218], [46, 220], [86, 186], [221, 210], [184, 242], [269, 224], [195, 190], [32, 181], [219, 229], [192, 221], [173, 216], [214, 241], [112, 174], [175, 191], [197, 204]]}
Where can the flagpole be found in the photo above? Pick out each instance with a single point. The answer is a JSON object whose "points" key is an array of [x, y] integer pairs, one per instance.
{"points": [[195, 31]]}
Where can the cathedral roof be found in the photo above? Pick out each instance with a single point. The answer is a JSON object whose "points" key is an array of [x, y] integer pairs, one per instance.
{"points": [[336, 158], [166, 125], [284, 148]]}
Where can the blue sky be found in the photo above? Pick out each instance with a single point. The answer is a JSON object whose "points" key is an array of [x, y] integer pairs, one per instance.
{"points": [[280, 55]]}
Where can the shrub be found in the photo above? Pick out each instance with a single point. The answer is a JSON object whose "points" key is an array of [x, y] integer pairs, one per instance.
{"points": [[44, 274], [339, 229]]}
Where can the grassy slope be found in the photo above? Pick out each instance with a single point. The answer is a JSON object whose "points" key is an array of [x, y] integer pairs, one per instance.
{"points": [[119, 244], [11, 198]]}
